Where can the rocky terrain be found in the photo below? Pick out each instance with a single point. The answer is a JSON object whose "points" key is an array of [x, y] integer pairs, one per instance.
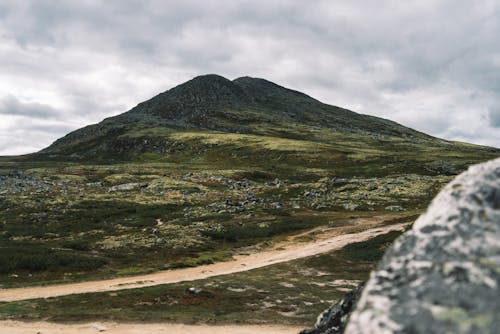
{"points": [[440, 277], [177, 219], [258, 126], [200, 174]]}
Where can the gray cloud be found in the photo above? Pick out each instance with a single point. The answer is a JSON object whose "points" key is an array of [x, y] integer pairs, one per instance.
{"points": [[431, 65], [494, 117], [10, 105]]}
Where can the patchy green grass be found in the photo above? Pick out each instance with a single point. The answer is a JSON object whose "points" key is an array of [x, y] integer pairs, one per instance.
{"points": [[172, 215], [135, 194], [183, 194], [286, 293], [35, 259]]}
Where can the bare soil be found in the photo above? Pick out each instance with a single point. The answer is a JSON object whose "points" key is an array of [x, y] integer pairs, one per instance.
{"points": [[15, 327]]}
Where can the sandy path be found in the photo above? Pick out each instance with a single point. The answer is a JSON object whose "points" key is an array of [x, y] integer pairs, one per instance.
{"points": [[281, 253], [15, 327]]}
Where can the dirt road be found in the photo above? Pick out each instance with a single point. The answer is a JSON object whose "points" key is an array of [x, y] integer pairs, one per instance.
{"points": [[15, 327], [287, 251]]}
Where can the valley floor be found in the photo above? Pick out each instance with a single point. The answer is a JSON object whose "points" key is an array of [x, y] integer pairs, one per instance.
{"points": [[326, 240]]}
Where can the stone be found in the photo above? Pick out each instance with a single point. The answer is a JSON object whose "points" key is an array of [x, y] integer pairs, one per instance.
{"points": [[124, 187], [99, 327], [276, 205], [334, 319], [443, 276], [94, 184], [394, 208], [350, 206], [194, 290]]}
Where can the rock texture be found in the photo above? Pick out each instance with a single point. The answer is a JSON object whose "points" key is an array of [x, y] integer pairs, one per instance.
{"points": [[334, 319], [443, 276]]}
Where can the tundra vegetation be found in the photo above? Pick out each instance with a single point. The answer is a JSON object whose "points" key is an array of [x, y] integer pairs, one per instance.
{"points": [[288, 293], [197, 174]]}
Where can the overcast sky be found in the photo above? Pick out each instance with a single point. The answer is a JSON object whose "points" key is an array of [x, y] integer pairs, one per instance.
{"points": [[431, 65]]}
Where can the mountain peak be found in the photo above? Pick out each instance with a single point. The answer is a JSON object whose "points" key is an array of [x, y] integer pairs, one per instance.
{"points": [[209, 86], [198, 95], [209, 79], [260, 88], [212, 90], [248, 79]]}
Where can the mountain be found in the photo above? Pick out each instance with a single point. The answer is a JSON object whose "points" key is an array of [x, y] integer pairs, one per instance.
{"points": [[213, 120], [203, 171]]}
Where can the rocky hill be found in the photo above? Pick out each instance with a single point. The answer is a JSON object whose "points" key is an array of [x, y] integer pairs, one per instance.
{"points": [[244, 105], [203, 172], [213, 120]]}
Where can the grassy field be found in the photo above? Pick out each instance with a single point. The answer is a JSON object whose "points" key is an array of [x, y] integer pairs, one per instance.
{"points": [[288, 293], [68, 222], [163, 197]]}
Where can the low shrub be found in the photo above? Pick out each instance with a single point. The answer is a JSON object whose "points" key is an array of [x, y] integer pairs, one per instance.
{"points": [[36, 259]]}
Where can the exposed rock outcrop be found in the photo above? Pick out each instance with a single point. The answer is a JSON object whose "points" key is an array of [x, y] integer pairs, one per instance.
{"points": [[443, 276], [334, 319]]}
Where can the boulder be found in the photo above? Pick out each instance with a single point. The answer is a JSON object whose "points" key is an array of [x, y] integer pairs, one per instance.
{"points": [[334, 319], [443, 276]]}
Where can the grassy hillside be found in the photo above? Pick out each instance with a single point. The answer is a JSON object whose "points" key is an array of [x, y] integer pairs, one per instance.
{"points": [[202, 169]]}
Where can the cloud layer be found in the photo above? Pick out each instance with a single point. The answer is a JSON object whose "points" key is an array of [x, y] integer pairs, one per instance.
{"points": [[430, 65]]}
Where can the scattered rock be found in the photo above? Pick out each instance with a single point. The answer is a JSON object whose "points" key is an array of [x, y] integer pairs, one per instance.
{"points": [[276, 205], [195, 291], [394, 208], [94, 184], [125, 187], [350, 206], [276, 183], [99, 327], [251, 197]]}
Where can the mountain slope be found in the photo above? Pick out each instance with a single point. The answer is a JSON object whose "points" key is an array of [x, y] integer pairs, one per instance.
{"points": [[207, 167], [211, 119]]}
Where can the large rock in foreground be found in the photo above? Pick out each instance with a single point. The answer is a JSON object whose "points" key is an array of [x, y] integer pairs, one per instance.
{"points": [[443, 276]]}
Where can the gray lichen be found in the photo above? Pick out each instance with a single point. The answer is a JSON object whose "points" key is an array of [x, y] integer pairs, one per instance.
{"points": [[444, 275]]}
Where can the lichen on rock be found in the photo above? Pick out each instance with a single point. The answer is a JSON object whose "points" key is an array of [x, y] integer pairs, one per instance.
{"points": [[334, 319], [443, 276]]}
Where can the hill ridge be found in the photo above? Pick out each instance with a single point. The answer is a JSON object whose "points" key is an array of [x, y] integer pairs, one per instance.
{"points": [[246, 105]]}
